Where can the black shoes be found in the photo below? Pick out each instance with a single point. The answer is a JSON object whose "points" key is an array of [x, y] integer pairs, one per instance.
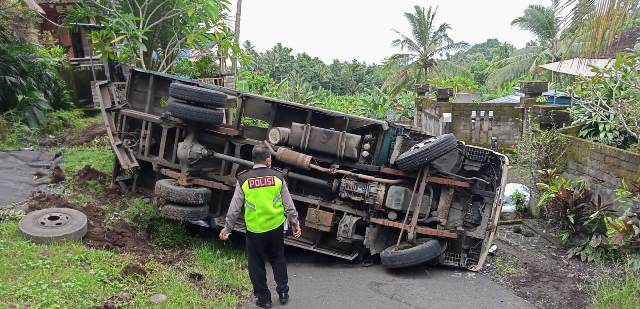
{"points": [[263, 303], [284, 298]]}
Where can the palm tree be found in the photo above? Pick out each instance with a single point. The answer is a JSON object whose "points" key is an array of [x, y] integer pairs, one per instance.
{"points": [[544, 23], [598, 22], [421, 49]]}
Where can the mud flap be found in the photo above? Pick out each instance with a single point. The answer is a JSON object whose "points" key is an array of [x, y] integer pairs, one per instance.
{"points": [[108, 105]]}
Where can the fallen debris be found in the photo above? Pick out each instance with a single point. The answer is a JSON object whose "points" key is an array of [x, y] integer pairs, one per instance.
{"points": [[133, 268], [89, 173], [117, 301], [56, 174], [195, 276]]}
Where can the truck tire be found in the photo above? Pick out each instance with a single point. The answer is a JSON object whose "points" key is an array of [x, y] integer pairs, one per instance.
{"points": [[184, 212], [49, 225], [197, 95], [426, 151], [407, 255], [169, 190], [180, 109]]}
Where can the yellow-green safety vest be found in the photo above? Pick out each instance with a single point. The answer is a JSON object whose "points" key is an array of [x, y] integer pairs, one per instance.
{"points": [[263, 207]]}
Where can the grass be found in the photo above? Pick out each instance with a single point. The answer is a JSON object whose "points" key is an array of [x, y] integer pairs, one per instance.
{"points": [[69, 275], [609, 292], [507, 265], [61, 275], [75, 158]]}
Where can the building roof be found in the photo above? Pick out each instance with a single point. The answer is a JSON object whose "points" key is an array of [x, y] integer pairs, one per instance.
{"points": [[577, 66], [512, 98]]}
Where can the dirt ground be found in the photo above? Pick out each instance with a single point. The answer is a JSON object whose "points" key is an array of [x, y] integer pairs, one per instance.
{"points": [[91, 133], [118, 236], [538, 270]]}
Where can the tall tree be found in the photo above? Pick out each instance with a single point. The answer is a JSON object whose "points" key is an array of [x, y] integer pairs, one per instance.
{"points": [[544, 23], [421, 49]]}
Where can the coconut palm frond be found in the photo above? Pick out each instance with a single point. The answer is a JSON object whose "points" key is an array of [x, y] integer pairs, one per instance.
{"points": [[405, 42], [540, 20], [417, 21], [401, 78], [515, 66], [402, 59], [446, 69], [597, 23]]}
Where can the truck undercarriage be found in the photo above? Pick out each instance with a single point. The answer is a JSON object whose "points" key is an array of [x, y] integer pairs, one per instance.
{"points": [[360, 185]]}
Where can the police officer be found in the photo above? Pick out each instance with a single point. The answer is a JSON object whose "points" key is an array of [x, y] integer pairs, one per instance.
{"points": [[263, 193]]}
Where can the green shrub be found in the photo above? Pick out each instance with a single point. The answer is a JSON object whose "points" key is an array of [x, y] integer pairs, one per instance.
{"points": [[519, 199], [582, 220], [62, 119], [540, 150], [30, 84]]}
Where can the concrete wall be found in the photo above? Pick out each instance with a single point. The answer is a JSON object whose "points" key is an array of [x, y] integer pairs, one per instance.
{"points": [[477, 123]]}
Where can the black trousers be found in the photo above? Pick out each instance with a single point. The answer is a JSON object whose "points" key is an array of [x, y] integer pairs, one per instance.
{"points": [[267, 246]]}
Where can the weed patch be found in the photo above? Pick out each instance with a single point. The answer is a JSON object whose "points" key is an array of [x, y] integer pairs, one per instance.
{"points": [[15, 136], [612, 292], [61, 121], [507, 265]]}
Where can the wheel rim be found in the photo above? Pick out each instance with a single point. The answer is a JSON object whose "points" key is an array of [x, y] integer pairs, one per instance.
{"points": [[53, 220]]}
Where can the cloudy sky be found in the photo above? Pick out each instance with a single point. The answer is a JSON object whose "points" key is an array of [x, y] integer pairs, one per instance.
{"points": [[361, 29]]}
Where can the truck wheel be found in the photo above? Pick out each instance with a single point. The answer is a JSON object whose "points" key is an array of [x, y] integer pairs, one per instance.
{"points": [[197, 95], [406, 255], [184, 212], [426, 151], [180, 109], [169, 190], [53, 224]]}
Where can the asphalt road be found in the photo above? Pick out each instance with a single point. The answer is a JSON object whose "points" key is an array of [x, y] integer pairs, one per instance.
{"points": [[317, 281]]}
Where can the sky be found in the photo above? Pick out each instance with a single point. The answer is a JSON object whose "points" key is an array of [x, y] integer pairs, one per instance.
{"points": [[362, 29]]}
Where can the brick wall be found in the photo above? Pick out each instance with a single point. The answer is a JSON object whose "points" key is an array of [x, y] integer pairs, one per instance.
{"points": [[604, 165]]}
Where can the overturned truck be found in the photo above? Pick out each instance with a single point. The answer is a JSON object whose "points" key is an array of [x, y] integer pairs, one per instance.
{"points": [[361, 186]]}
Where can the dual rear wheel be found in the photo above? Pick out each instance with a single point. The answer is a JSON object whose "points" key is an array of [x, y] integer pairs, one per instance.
{"points": [[181, 203]]}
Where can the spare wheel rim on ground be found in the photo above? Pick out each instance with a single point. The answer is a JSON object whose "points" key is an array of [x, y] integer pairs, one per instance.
{"points": [[53, 224]]}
